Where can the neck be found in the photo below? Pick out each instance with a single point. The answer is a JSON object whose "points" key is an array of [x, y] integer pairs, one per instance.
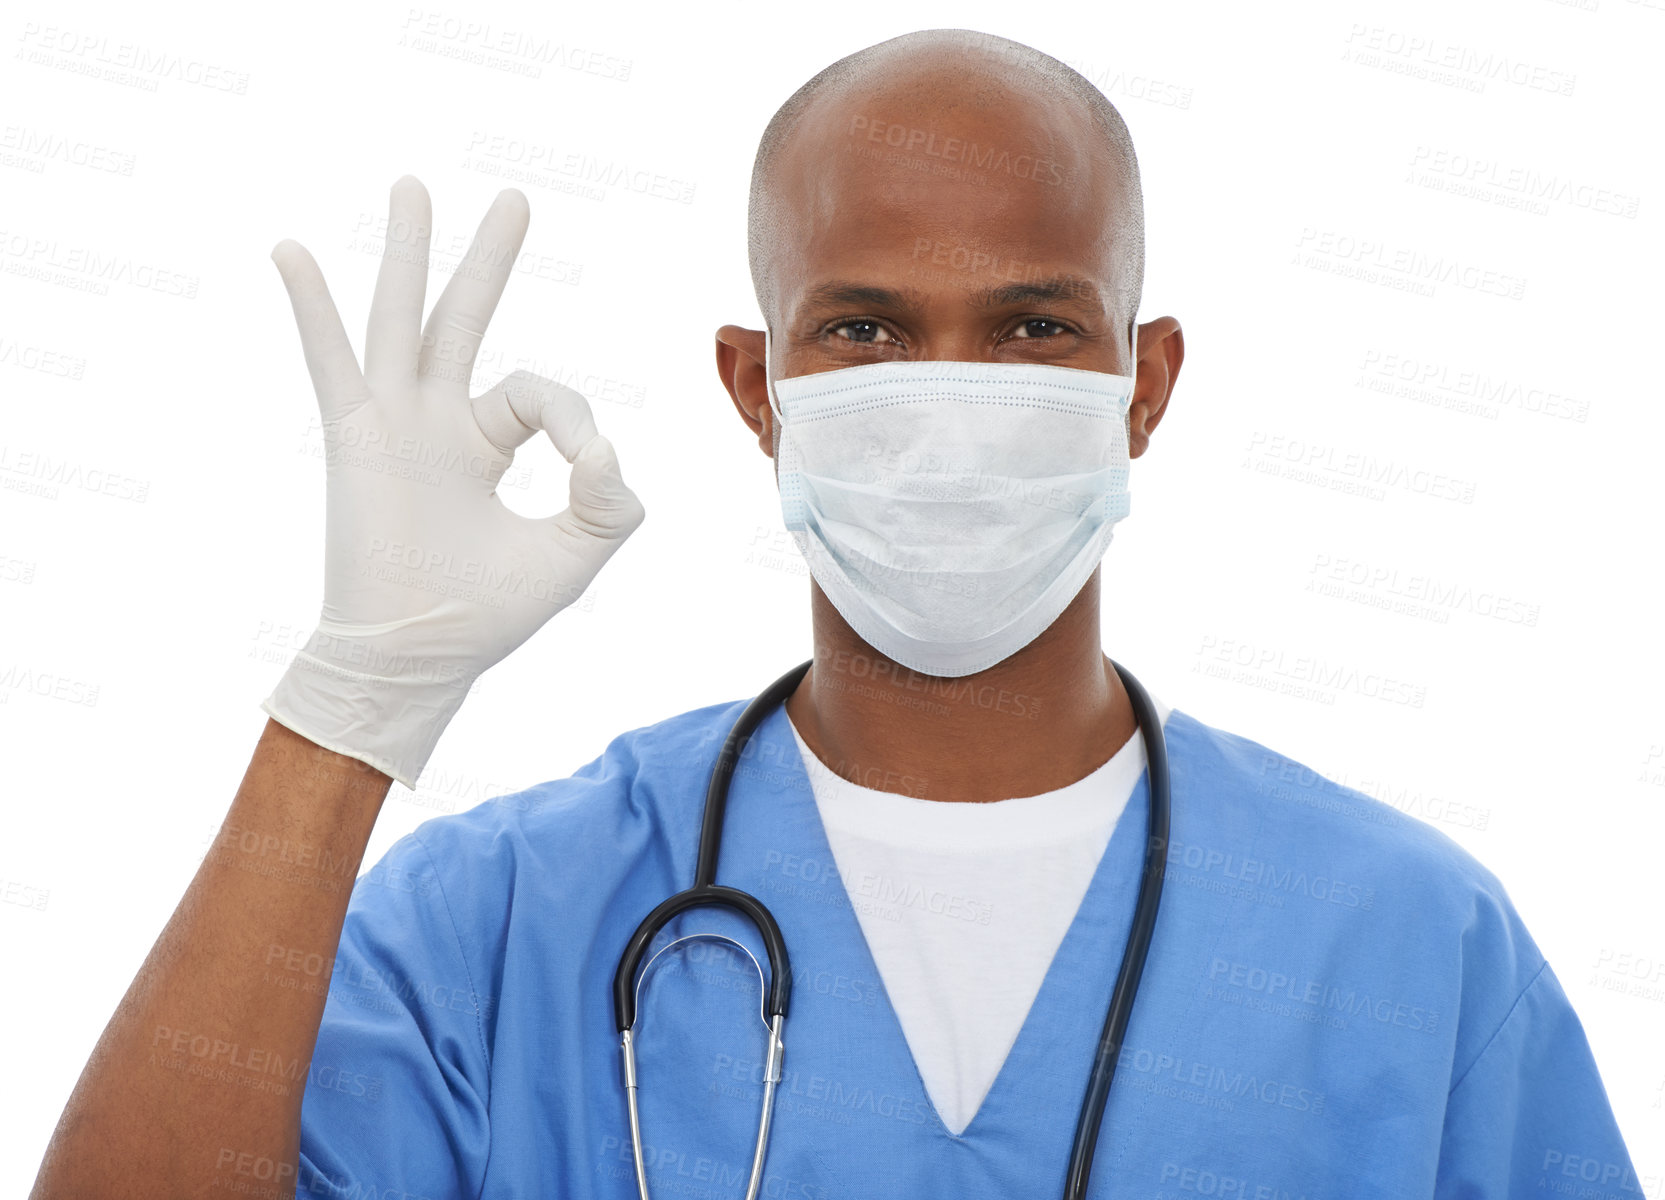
{"points": [[1049, 715]]}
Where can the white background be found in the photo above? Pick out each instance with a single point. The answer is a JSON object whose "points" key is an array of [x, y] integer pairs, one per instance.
{"points": [[1307, 172]]}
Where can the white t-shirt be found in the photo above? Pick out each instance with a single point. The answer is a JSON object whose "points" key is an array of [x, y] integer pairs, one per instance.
{"points": [[964, 905]]}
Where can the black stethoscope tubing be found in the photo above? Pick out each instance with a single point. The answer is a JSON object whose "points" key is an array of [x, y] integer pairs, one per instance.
{"points": [[707, 891]]}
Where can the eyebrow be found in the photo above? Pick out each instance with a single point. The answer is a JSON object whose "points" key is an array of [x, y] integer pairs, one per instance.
{"points": [[1065, 288], [1068, 288]]}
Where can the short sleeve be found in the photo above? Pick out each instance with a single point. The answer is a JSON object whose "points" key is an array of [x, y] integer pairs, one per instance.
{"points": [[397, 1089], [1531, 1115]]}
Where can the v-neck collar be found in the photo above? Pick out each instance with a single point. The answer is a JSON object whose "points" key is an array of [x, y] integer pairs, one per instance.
{"points": [[1082, 970]]}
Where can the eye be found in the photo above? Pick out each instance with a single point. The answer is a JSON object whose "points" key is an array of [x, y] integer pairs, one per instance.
{"points": [[868, 336], [1025, 328]]}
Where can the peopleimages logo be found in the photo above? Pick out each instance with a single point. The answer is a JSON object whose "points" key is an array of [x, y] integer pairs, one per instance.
{"points": [[1273, 876], [1349, 1001], [957, 150]]}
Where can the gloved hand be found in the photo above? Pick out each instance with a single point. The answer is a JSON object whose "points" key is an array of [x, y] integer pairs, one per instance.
{"points": [[428, 578]]}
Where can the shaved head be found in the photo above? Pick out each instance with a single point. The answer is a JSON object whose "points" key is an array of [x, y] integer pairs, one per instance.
{"points": [[946, 196], [995, 127]]}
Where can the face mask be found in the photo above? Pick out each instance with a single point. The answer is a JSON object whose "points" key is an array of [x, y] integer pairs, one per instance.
{"points": [[951, 510]]}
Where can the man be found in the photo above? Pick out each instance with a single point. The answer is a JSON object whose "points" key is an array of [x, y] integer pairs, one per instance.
{"points": [[947, 816]]}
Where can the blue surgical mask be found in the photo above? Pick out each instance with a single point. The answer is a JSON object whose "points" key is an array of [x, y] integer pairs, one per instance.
{"points": [[952, 510]]}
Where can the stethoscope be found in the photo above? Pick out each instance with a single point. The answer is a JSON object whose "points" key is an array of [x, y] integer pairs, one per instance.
{"points": [[777, 992]]}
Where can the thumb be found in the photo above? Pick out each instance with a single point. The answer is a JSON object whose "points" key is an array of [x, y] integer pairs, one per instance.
{"points": [[599, 501]]}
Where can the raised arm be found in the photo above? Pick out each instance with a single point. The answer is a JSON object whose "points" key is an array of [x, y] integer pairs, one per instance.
{"points": [[429, 580]]}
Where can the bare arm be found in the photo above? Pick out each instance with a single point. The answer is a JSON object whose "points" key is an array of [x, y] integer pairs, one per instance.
{"points": [[195, 1087], [205, 1059]]}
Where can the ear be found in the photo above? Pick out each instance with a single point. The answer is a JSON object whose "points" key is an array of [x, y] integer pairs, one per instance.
{"points": [[1161, 351], [740, 367]]}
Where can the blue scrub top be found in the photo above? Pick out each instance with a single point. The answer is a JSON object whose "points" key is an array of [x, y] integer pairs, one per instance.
{"points": [[1339, 1002]]}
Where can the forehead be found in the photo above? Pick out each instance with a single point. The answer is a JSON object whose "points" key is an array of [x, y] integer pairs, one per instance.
{"points": [[944, 183]]}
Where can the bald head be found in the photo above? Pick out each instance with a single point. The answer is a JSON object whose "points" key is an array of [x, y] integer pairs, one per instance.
{"points": [[978, 160]]}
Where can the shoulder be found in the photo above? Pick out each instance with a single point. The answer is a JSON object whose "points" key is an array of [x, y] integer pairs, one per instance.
{"points": [[1346, 867], [634, 786], [1249, 789], [515, 868]]}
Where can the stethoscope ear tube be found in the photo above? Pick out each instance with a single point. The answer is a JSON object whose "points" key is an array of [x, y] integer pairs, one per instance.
{"points": [[778, 992], [779, 996], [1138, 943]]}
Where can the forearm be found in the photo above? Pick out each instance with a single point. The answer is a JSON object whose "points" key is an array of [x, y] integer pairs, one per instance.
{"points": [[195, 1087], [203, 1066]]}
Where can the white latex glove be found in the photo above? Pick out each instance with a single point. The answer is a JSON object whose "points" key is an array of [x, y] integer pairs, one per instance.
{"points": [[428, 578]]}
